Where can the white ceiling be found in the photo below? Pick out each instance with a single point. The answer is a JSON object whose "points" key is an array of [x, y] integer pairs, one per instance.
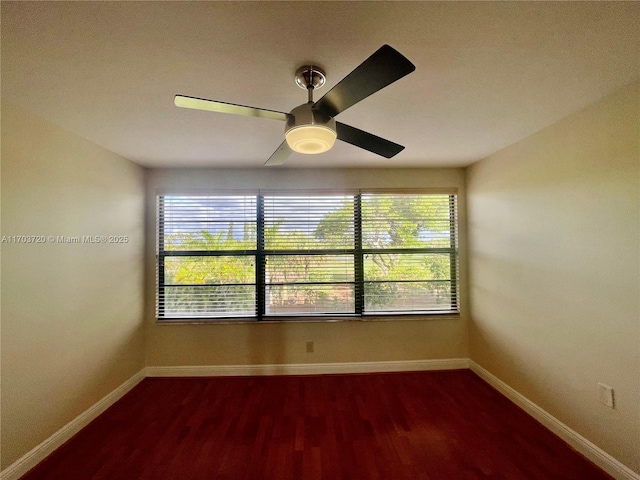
{"points": [[487, 74]]}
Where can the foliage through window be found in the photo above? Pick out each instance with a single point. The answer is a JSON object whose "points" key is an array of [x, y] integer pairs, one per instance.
{"points": [[294, 254]]}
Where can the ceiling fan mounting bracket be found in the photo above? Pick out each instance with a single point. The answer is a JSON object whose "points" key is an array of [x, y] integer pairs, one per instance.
{"points": [[310, 76]]}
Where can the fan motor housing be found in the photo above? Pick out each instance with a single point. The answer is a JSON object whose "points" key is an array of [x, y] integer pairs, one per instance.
{"points": [[305, 115]]}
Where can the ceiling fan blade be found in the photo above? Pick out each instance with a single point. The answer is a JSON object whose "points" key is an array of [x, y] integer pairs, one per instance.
{"points": [[223, 107], [382, 68], [368, 141], [279, 156]]}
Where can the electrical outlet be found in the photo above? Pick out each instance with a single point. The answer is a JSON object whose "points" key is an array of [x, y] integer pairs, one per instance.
{"points": [[605, 394], [309, 347]]}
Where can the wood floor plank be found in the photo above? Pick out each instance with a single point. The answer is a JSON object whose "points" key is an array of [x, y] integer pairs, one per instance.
{"points": [[417, 425]]}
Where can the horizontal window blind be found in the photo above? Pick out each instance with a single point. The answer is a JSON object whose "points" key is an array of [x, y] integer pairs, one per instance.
{"points": [[208, 222], [208, 301], [273, 255], [309, 254], [406, 221], [409, 244], [207, 256], [314, 222]]}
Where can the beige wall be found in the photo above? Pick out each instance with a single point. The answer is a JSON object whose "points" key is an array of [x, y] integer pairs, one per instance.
{"points": [[275, 343], [71, 313], [554, 237]]}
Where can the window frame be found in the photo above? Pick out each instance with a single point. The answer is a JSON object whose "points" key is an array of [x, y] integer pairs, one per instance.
{"points": [[260, 253]]}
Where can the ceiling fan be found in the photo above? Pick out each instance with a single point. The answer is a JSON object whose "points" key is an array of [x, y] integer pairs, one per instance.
{"points": [[310, 127]]}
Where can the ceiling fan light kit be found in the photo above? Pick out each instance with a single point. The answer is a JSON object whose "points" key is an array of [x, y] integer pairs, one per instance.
{"points": [[311, 127], [311, 139]]}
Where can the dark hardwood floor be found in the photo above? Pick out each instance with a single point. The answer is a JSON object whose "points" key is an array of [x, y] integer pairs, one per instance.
{"points": [[423, 425]]}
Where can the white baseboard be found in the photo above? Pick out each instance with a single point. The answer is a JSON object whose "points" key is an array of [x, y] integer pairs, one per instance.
{"points": [[594, 453], [40, 452], [307, 368]]}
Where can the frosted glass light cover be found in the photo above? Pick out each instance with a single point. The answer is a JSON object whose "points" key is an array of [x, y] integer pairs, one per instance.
{"points": [[310, 139]]}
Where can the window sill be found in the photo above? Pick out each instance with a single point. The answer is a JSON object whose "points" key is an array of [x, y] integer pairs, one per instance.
{"points": [[328, 319]]}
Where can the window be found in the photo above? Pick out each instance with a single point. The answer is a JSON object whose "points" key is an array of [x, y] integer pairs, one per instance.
{"points": [[273, 255]]}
